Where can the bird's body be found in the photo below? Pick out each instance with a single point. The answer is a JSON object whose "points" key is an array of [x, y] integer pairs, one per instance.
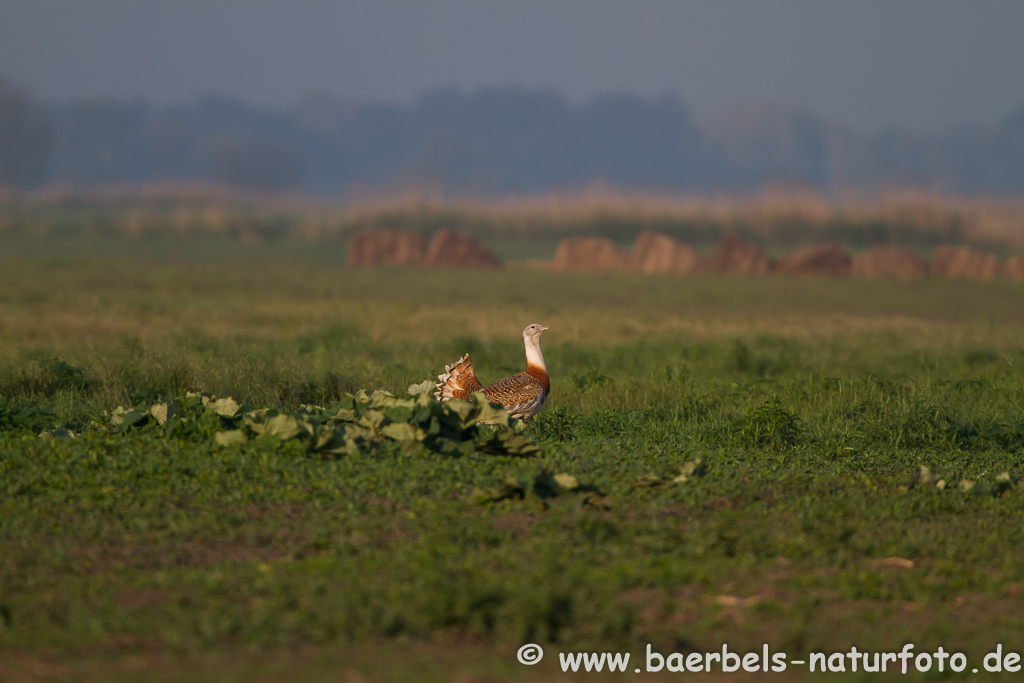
{"points": [[521, 394]]}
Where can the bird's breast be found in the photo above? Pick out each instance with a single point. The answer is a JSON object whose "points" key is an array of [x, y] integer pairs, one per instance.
{"points": [[541, 375]]}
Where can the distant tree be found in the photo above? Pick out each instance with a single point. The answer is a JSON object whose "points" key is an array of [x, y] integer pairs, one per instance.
{"points": [[258, 165], [24, 137], [1008, 154]]}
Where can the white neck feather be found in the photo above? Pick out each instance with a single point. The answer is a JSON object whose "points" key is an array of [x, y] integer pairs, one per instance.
{"points": [[534, 356]]}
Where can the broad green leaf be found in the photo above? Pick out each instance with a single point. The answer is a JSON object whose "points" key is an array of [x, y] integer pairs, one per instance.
{"points": [[561, 489], [160, 412], [516, 444], [415, 448], [283, 427], [595, 499], [647, 481], [354, 431], [462, 408], [335, 441], [427, 399], [226, 407], [425, 387], [399, 413], [567, 481], [230, 437], [510, 491], [402, 431], [267, 443], [58, 432], [691, 470], [372, 418], [695, 468], [127, 417], [133, 417], [454, 448], [344, 415], [486, 412]]}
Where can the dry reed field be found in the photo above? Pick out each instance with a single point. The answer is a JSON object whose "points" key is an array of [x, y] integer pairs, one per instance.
{"points": [[779, 219]]}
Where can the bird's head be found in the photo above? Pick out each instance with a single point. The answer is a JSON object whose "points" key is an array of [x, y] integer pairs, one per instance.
{"points": [[534, 331]]}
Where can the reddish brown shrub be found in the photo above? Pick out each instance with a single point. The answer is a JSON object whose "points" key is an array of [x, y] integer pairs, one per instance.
{"points": [[1014, 268], [890, 262], [820, 259], [453, 249], [657, 253], [964, 262], [385, 248], [589, 253], [735, 255]]}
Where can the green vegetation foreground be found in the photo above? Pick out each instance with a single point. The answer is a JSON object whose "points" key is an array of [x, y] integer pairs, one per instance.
{"points": [[721, 460]]}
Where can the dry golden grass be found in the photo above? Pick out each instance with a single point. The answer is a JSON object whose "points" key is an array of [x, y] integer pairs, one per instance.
{"points": [[986, 221], [777, 217]]}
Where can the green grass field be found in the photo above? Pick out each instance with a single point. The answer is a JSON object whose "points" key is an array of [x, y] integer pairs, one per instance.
{"points": [[800, 410]]}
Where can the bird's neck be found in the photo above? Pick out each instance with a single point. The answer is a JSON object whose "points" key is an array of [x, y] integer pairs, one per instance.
{"points": [[535, 364]]}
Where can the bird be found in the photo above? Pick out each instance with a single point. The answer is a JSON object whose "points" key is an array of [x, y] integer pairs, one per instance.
{"points": [[521, 394]]}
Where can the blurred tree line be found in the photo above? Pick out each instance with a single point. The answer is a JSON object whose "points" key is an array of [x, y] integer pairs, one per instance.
{"points": [[24, 137], [490, 141]]}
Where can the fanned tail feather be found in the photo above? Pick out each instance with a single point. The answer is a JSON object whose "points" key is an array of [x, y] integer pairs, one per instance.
{"points": [[458, 381]]}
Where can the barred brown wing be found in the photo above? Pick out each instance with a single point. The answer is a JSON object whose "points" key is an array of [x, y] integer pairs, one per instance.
{"points": [[518, 391]]}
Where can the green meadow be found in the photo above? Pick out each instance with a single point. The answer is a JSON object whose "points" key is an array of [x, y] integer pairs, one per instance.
{"points": [[813, 464]]}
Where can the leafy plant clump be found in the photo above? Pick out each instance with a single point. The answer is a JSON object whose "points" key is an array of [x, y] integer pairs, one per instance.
{"points": [[692, 469], [985, 485], [545, 488], [771, 425], [24, 415], [360, 422]]}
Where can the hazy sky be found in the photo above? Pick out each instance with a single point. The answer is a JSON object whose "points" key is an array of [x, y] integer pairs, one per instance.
{"points": [[867, 62]]}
